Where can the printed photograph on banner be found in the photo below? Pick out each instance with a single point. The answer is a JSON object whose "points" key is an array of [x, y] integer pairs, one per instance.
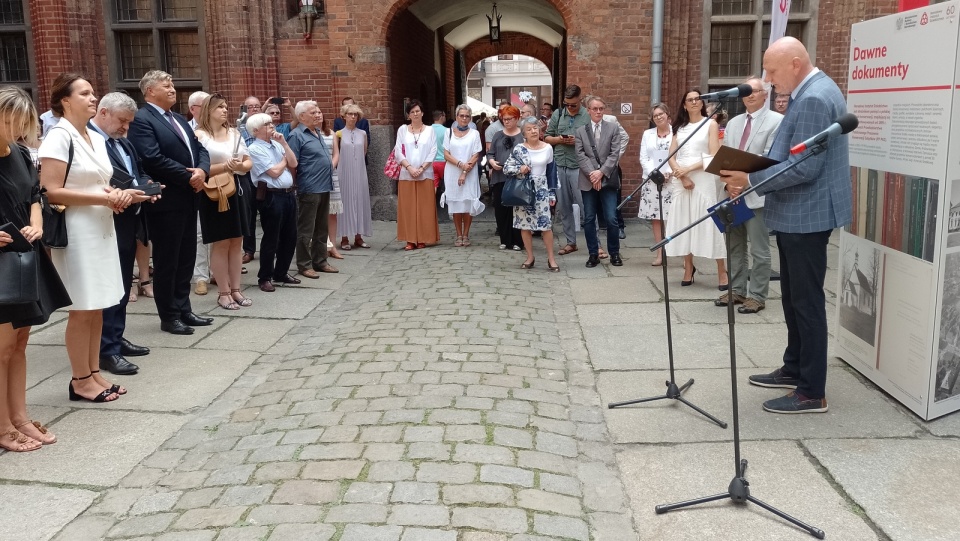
{"points": [[895, 210], [948, 357], [953, 217], [861, 267]]}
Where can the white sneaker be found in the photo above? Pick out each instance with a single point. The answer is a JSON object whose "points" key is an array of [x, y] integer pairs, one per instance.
{"points": [[503, 246]]}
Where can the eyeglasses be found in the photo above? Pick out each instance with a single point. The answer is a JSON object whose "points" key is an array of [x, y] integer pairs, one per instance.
{"points": [[274, 113], [692, 100], [571, 105], [598, 109], [217, 96], [659, 116]]}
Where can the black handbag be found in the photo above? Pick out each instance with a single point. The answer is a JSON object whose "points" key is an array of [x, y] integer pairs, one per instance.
{"points": [[18, 278], [518, 192], [54, 221]]}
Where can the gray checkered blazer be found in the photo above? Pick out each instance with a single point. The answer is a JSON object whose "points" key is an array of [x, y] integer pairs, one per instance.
{"points": [[817, 194]]}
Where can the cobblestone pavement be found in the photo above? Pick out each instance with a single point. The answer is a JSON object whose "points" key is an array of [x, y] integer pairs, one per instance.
{"points": [[439, 395]]}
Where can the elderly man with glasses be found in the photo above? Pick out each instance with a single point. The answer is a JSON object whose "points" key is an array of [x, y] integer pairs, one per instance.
{"points": [[560, 133]]}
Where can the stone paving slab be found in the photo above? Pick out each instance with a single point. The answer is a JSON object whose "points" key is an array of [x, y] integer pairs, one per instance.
{"points": [[154, 387], [636, 314], [40, 511], [779, 474], [901, 484], [45, 362], [856, 410], [612, 290], [141, 329], [95, 448], [247, 334], [626, 347]]}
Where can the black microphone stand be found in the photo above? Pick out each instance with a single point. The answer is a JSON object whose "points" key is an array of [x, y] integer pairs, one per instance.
{"points": [[739, 488], [673, 392]]}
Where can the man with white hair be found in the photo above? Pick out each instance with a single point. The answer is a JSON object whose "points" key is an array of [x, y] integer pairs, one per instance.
{"points": [[194, 103], [171, 155], [272, 162], [314, 184], [201, 270], [114, 114]]}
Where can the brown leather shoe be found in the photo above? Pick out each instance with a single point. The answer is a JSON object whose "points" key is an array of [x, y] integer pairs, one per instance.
{"points": [[267, 287], [309, 273], [326, 267], [247, 257]]}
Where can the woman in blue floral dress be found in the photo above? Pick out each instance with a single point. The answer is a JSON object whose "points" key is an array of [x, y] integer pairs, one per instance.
{"points": [[533, 159]]}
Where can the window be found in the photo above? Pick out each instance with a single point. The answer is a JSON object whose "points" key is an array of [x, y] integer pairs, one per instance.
{"points": [[15, 53], [737, 37], [156, 34]]}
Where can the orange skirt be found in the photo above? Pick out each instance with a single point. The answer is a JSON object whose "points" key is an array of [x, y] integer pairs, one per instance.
{"points": [[417, 212]]}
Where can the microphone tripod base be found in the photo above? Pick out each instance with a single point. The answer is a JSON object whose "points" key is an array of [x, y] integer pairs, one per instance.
{"points": [[739, 493], [673, 393]]}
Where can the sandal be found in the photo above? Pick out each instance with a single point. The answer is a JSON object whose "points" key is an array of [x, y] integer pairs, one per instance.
{"points": [[553, 268], [360, 244], [229, 306], [528, 266], [133, 293], [21, 443], [421, 245], [46, 438], [410, 246], [345, 246], [242, 301], [458, 242], [102, 397], [466, 241], [142, 288], [568, 249], [114, 388]]}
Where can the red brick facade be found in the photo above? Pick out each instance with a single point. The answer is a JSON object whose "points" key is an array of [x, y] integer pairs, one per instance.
{"points": [[380, 53]]}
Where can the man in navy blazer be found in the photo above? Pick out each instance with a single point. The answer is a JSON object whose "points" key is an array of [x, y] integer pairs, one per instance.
{"points": [[173, 156], [114, 114], [803, 205]]}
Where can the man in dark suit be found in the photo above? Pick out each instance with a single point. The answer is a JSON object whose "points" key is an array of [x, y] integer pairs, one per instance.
{"points": [[173, 156], [803, 205], [116, 111], [597, 146]]}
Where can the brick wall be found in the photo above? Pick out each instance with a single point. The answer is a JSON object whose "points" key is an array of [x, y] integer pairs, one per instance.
{"points": [[833, 32], [63, 42], [411, 47]]}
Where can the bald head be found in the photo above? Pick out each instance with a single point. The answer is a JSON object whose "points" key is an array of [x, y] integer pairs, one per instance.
{"points": [[787, 63]]}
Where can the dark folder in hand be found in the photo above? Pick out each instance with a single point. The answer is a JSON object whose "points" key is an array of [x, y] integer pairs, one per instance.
{"points": [[741, 213], [731, 159]]}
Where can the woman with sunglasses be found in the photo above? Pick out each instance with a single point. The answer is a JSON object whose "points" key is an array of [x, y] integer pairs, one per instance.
{"points": [[462, 150], [694, 190], [500, 148]]}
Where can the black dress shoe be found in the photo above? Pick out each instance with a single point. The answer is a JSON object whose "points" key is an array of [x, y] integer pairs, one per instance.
{"points": [[132, 350], [175, 327], [615, 260], [116, 364], [288, 280], [193, 319], [593, 261]]}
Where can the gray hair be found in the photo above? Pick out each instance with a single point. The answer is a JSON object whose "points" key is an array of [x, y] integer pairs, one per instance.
{"points": [[532, 109], [302, 106], [529, 121], [258, 121], [463, 106], [591, 99], [659, 105], [116, 102], [153, 78], [197, 98]]}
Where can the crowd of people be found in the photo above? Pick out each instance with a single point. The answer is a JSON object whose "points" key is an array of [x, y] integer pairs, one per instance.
{"points": [[100, 162]]}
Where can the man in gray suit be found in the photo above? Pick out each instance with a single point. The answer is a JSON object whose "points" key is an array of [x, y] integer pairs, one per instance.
{"points": [[753, 132], [598, 151], [804, 205]]}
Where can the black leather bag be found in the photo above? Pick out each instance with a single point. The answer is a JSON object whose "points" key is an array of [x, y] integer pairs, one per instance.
{"points": [[54, 221], [518, 192], [18, 278]]}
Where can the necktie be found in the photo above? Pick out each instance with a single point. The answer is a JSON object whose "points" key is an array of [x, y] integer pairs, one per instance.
{"points": [[176, 127], [596, 132], [746, 133]]}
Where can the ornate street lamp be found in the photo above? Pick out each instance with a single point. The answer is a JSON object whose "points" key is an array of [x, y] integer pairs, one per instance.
{"points": [[494, 21]]}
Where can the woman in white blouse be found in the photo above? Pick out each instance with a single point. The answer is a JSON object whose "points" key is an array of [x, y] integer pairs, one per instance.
{"points": [[416, 210], [462, 151], [654, 149]]}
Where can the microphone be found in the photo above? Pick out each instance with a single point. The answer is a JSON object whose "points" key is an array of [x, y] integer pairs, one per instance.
{"points": [[843, 125], [740, 91]]}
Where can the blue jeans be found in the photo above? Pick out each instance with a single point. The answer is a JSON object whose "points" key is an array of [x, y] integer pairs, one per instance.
{"points": [[605, 201]]}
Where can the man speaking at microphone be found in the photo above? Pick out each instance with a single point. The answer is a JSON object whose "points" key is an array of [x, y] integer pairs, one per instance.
{"points": [[803, 205]]}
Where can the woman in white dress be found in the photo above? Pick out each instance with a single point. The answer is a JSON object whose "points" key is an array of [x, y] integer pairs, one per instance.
{"points": [[90, 264], [336, 203], [224, 230], [462, 150], [654, 148], [416, 211], [694, 190]]}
